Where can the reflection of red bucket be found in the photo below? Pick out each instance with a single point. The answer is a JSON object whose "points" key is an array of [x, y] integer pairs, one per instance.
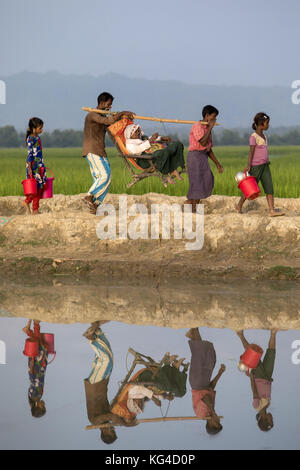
{"points": [[49, 338], [48, 189], [252, 356], [249, 187], [31, 348], [29, 186]]}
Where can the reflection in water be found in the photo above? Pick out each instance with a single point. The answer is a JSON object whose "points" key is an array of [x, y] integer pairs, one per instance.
{"points": [[120, 399], [154, 381], [214, 304], [261, 380], [37, 351], [203, 361]]}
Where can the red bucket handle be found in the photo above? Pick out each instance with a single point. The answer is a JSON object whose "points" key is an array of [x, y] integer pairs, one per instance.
{"points": [[50, 171], [54, 356]]}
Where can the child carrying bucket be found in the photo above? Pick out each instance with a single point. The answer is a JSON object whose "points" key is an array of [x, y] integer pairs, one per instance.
{"points": [[35, 167], [258, 162], [261, 381], [37, 365]]}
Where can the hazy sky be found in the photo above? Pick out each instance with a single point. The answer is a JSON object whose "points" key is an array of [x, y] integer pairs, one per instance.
{"points": [[219, 42]]}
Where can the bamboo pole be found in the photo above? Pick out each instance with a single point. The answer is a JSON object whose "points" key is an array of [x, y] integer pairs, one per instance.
{"points": [[147, 118], [151, 420]]}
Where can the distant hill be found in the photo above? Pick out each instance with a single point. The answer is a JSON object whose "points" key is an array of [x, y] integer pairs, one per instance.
{"points": [[58, 99]]}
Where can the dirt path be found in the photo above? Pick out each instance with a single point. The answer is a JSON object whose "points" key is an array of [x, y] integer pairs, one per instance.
{"points": [[63, 241]]}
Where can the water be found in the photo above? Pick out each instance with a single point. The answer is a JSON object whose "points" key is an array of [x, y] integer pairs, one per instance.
{"points": [[63, 426]]}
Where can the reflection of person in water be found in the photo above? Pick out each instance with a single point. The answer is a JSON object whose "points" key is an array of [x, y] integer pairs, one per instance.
{"points": [[132, 399], [96, 383], [170, 378], [203, 361], [261, 380], [36, 369]]}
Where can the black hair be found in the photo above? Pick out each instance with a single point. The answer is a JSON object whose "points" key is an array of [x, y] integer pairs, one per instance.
{"points": [[263, 423], [259, 119], [36, 411], [103, 97], [213, 429], [33, 124], [209, 109], [110, 437]]}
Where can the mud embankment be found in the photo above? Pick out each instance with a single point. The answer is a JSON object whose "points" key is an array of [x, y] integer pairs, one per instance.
{"points": [[62, 240]]}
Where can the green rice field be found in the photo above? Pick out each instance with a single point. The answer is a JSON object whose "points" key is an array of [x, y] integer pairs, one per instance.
{"points": [[72, 174]]}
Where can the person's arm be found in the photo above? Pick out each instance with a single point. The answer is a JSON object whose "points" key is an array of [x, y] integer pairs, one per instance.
{"points": [[253, 385], [153, 137], [139, 391], [250, 157], [30, 157], [216, 161], [108, 120], [214, 382], [30, 168], [166, 138], [137, 146], [204, 140], [28, 330], [109, 418], [207, 399]]}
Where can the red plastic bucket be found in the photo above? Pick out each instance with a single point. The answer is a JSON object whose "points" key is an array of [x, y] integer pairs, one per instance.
{"points": [[249, 187], [29, 186], [31, 348], [252, 356], [48, 189]]}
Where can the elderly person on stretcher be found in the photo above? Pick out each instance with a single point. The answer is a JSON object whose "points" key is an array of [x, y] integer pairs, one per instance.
{"points": [[167, 155]]}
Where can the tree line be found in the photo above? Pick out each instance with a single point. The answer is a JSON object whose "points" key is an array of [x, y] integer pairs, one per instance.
{"points": [[10, 137]]}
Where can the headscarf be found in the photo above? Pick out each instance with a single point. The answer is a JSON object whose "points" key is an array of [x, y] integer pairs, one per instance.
{"points": [[130, 130]]}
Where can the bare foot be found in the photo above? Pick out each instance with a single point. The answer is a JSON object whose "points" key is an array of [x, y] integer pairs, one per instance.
{"points": [[239, 209], [88, 200], [94, 211], [99, 322], [188, 202], [276, 213], [178, 363], [189, 334], [239, 332], [173, 357], [171, 180], [90, 332], [176, 175], [275, 330], [27, 207], [35, 212]]}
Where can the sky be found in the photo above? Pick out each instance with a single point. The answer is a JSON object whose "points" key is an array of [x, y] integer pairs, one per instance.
{"points": [[232, 42]]}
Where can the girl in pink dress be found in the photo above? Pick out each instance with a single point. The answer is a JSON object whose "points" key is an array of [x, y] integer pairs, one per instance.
{"points": [[258, 162]]}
